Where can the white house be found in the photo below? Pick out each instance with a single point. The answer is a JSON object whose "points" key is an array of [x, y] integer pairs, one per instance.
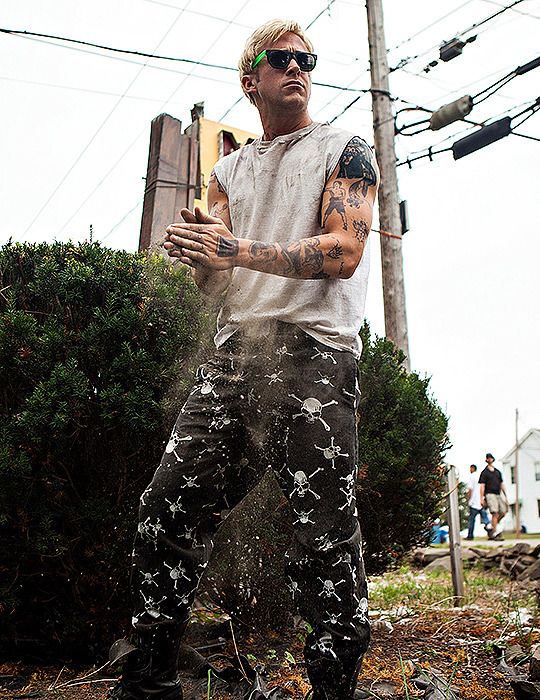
{"points": [[528, 481]]}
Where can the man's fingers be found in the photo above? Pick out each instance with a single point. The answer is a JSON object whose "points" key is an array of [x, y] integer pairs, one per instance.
{"points": [[203, 218], [194, 228], [190, 243], [188, 216]]}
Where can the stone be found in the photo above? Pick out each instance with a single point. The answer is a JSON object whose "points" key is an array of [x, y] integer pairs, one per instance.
{"points": [[441, 563], [468, 554], [384, 626], [518, 549], [431, 554], [531, 572], [534, 665], [525, 690]]}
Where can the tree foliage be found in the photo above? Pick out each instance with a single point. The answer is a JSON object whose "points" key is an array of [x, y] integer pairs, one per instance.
{"points": [[402, 438], [90, 340], [96, 351]]}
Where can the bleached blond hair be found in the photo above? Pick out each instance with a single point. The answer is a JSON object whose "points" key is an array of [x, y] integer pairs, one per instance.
{"points": [[264, 36]]}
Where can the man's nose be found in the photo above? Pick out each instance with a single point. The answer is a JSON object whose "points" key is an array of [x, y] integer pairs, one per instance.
{"points": [[293, 67]]}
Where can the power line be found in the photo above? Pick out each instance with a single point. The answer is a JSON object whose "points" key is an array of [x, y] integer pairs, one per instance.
{"points": [[429, 26], [100, 183], [200, 14], [139, 201], [519, 12], [533, 108], [94, 136], [405, 61], [102, 92], [22, 32], [328, 4]]}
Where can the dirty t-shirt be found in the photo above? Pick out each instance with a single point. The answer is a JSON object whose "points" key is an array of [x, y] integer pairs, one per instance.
{"points": [[275, 191]]}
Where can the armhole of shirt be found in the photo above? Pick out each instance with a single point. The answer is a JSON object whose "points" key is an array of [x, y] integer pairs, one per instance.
{"points": [[220, 173]]}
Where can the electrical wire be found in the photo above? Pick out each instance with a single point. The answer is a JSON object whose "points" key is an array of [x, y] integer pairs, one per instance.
{"points": [[325, 9], [405, 61], [130, 52], [429, 26], [487, 92], [98, 130], [201, 14], [519, 12], [139, 202], [532, 108], [142, 131], [239, 99]]}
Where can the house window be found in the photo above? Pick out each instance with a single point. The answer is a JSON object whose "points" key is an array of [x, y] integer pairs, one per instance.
{"points": [[538, 502], [513, 475], [537, 470]]}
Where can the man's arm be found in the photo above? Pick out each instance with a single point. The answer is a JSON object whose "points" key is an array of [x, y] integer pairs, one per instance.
{"points": [[209, 281], [335, 253], [482, 494]]}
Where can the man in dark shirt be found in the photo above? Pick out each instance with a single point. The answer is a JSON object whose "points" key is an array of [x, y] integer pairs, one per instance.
{"points": [[493, 493]]}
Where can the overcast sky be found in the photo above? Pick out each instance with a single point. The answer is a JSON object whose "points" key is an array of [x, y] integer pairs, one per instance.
{"points": [[75, 125]]}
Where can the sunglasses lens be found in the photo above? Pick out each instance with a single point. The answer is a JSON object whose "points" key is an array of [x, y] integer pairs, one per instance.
{"points": [[306, 61], [279, 59]]}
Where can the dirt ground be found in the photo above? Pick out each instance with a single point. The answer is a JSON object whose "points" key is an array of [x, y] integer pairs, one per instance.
{"points": [[414, 626]]}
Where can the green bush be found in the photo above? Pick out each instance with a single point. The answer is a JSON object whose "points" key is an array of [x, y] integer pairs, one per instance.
{"points": [[90, 342], [402, 438], [96, 352]]}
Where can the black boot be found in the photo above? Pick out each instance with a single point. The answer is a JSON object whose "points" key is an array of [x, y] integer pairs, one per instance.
{"points": [[150, 670], [333, 677]]}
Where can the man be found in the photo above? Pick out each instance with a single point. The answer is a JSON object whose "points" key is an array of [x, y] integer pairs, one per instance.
{"points": [[475, 504], [281, 387], [493, 494]]}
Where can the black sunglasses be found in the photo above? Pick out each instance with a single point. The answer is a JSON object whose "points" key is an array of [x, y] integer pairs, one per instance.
{"points": [[280, 59]]}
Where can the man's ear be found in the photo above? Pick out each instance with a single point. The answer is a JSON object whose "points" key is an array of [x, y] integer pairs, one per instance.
{"points": [[249, 83]]}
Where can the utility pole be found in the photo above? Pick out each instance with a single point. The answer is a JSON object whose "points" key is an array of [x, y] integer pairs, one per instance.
{"points": [[452, 515], [395, 316], [517, 513]]}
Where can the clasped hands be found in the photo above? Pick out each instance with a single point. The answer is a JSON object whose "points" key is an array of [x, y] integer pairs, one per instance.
{"points": [[202, 239]]}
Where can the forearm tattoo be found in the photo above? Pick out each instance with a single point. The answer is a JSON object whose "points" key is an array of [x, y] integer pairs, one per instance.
{"points": [[299, 259], [227, 248]]}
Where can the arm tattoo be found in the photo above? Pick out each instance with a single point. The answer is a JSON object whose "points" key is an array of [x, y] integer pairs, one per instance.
{"points": [[336, 203], [304, 256], [361, 230], [356, 163], [263, 251], [213, 178], [218, 209], [337, 251], [227, 248]]}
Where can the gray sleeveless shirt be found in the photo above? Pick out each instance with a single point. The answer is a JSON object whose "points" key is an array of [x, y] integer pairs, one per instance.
{"points": [[275, 192]]}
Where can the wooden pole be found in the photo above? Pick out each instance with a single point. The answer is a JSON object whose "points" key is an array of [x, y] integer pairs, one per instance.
{"points": [[395, 316], [170, 179], [455, 537], [517, 510]]}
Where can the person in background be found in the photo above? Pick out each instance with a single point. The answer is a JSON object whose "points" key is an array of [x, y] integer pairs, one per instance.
{"points": [[493, 494], [475, 504]]}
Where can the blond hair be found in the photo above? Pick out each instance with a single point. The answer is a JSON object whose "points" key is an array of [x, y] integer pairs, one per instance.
{"points": [[264, 36]]}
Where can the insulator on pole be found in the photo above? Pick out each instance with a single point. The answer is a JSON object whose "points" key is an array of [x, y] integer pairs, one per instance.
{"points": [[483, 137], [452, 112]]}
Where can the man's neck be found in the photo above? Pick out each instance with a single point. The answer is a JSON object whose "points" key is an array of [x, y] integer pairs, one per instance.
{"points": [[278, 125]]}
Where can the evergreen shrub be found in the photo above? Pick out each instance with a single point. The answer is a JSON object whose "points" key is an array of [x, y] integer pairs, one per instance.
{"points": [[402, 439], [90, 341]]}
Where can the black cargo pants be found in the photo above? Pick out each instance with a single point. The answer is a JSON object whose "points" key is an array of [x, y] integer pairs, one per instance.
{"points": [[290, 400]]}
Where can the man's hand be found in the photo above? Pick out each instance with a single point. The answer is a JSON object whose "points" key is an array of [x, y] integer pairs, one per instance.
{"points": [[202, 240]]}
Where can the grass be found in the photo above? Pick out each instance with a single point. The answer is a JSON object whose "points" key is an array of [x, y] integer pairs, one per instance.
{"points": [[417, 590]]}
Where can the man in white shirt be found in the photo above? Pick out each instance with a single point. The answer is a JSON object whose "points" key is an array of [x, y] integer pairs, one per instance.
{"points": [[475, 504]]}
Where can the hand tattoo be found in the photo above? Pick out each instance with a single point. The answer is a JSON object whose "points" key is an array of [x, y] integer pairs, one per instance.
{"points": [[227, 248]]}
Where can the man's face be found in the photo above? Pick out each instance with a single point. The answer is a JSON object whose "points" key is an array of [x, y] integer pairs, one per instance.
{"points": [[489, 460], [288, 88]]}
